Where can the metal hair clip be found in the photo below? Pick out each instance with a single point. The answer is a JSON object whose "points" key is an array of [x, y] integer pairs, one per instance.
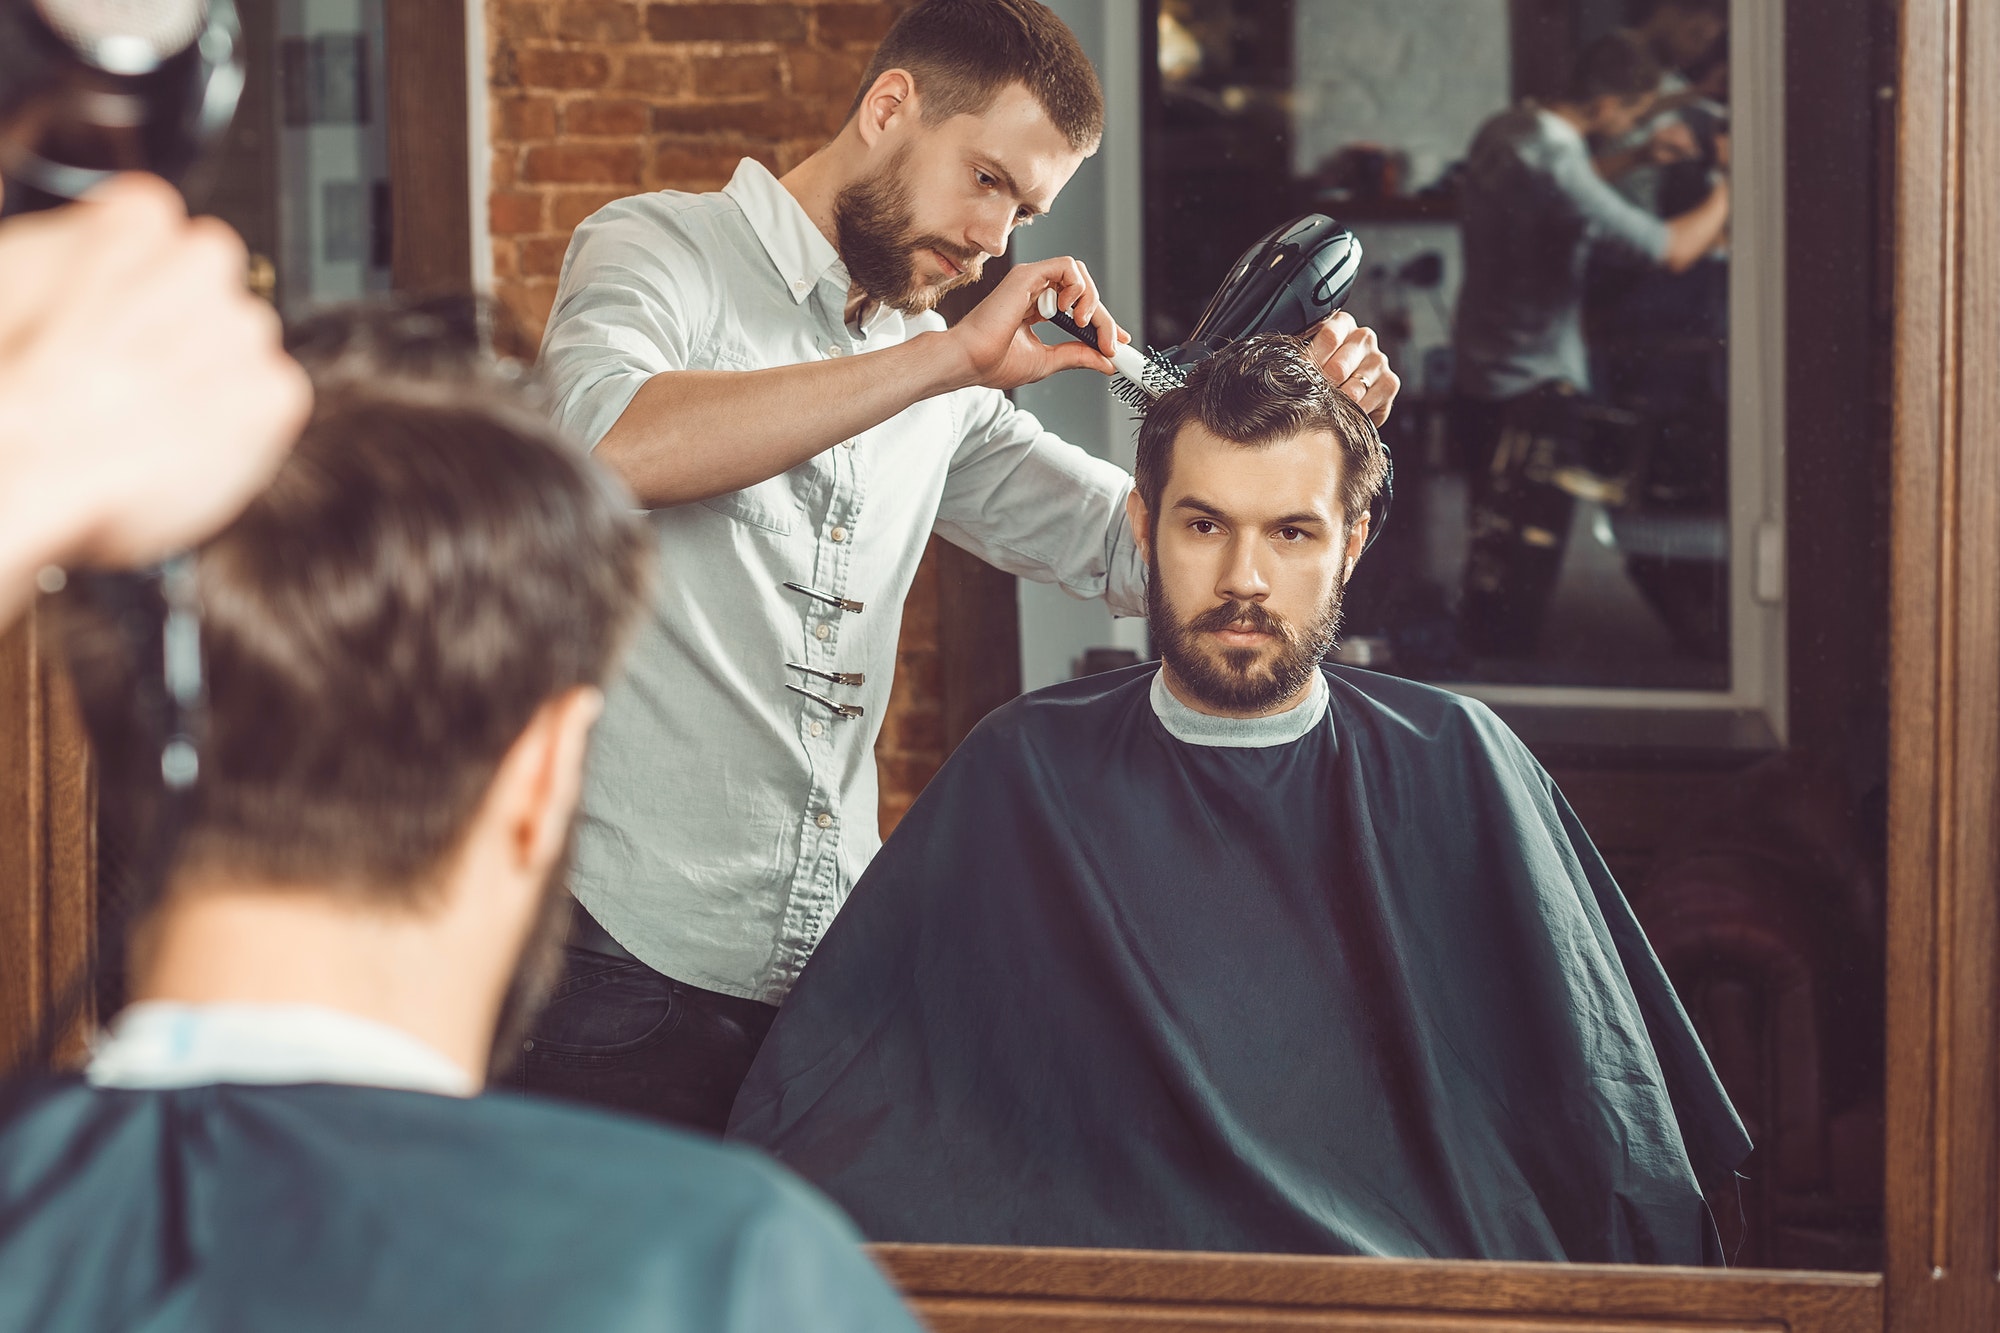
{"points": [[838, 710], [837, 677], [830, 599]]}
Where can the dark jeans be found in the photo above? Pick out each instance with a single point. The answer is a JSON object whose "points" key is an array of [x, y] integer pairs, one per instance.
{"points": [[616, 1033], [1519, 518]]}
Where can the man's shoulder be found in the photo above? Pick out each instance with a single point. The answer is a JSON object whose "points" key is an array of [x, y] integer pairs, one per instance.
{"points": [[663, 219], [1421, 709]]}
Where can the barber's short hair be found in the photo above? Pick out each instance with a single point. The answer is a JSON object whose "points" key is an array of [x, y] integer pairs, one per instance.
{"points": [[432, 564], [961, 54], [1255, 392], [1617, 64]]}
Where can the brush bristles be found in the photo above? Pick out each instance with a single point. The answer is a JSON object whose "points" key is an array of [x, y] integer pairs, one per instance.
{"points": [[1160, 376]]}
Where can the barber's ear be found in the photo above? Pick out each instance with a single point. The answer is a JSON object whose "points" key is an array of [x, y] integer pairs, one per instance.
{"points": [[543, 776], [1357, 541], [889, 97], [1141, 522]]}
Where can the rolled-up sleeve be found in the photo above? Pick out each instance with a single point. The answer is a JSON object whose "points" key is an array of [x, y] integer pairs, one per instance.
{"points": [[628, 307], [1025, 501], [1610, 218]]}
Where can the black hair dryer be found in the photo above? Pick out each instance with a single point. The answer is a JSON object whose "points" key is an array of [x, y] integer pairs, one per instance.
{"points": [[1288, 282]]}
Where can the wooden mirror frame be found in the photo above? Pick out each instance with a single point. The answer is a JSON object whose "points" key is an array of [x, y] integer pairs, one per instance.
{"points": [[1943, 1096]]}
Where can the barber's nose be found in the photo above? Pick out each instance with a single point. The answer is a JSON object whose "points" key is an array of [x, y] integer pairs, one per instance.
{"points": [[990, 233], [1243, 577]]}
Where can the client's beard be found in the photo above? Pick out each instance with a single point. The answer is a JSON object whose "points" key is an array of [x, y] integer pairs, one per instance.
{"points": [[874, 227], [537, 970], [1232, 679]]}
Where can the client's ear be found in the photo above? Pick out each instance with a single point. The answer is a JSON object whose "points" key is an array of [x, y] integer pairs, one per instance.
{"points": [[1141, 522], [1357, 541], [536, 790]]}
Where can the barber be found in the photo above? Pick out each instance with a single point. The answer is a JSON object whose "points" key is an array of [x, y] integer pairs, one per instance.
{"points": [[144, 392], [764, 368]]}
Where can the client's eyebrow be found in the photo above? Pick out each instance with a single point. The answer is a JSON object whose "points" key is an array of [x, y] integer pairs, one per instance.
{"points": [[1296, 520]]}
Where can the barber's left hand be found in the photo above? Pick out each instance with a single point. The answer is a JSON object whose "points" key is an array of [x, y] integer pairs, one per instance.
{"points": [[1354, 364]]}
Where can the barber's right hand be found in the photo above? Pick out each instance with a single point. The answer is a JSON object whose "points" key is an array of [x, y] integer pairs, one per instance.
{"points": [[998, 340], [145, 395]]}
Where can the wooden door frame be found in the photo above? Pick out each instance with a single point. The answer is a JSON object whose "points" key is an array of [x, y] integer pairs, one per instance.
{"points": [[1943, 1094]]}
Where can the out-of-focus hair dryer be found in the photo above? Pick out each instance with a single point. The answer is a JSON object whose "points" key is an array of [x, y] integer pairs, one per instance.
{"points": [[90, 88]]}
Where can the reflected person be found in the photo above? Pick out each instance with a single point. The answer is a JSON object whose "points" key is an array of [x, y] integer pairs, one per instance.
{"points": [[406, 635], [1247, 951], [1533, 208]]}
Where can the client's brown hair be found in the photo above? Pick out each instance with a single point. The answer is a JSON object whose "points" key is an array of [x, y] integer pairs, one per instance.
{"points": [[961, 54], [432, 564], [1258, 391]]}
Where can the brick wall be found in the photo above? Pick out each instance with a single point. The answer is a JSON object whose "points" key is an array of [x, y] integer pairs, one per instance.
{"points": [[593, 100]]}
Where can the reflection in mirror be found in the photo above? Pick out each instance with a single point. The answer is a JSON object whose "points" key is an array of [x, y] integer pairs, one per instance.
{"points": [[1130, 975]]}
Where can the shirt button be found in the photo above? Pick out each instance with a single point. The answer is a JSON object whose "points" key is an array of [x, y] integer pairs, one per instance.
{"points": [[823, 820], [815, 728], [832, 349], [847, 444], [839, 534], [801, 285], [822, 632]]}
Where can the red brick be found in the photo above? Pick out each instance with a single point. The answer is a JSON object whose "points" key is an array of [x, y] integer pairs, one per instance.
{"points": [[598, 21], [596, 116], [835, 74], [529, 302], [842, 25], [582, 164], [768, 118], [504, 153], [524, 117], [517, 21], [516, 212], [699, 166], [567, 208], [725, 23], [562, 69], [506, 261], [655, 75], [542, 256], [737, 76]]}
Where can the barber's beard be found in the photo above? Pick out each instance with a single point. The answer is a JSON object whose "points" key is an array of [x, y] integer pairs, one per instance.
{"points": [[1240, 680], [875, 228], [536, 972]]}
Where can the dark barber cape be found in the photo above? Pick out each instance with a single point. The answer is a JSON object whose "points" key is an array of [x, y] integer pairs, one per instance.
{"points": [[1371, 991], [232, 1207]]}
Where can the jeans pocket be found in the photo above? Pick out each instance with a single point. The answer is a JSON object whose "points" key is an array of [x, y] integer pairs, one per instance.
{"points": [[604, 1009]]}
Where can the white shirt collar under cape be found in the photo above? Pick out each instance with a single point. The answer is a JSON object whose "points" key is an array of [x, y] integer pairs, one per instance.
{"points": [[1240, 733], [158, 1044]]}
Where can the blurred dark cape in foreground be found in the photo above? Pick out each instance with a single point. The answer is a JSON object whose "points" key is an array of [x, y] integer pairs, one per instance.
{"points": [[1369, 992]]}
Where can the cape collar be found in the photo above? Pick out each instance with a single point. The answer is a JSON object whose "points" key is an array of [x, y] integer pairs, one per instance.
{"points": [[156, 1044], [1239, 733]]}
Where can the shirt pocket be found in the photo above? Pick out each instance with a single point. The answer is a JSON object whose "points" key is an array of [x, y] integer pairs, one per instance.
{"points": [[769, 505]]}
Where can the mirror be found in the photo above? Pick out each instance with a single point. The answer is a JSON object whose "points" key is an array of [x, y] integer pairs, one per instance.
{"points": [[1701, 662]]}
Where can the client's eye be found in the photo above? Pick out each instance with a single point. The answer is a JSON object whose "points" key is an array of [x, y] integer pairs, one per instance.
{"points": [[1293, 534], [1204, 526]]}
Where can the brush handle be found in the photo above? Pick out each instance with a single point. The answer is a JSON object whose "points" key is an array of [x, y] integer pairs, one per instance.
{"points": [[1129, 360]]}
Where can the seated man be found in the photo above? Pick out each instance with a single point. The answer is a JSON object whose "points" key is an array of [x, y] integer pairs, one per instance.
{"points": [[405, 639], [1247, 952]]}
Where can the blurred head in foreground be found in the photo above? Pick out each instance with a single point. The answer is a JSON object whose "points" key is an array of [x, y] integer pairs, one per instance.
{"points": [[405, 638]]}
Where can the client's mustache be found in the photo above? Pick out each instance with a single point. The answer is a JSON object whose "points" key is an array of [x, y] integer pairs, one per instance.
{"points": [[1239, 615], [970, 261]]}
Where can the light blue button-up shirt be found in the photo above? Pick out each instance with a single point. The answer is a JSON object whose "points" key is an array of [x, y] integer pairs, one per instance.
{"points": [[724, 817]]}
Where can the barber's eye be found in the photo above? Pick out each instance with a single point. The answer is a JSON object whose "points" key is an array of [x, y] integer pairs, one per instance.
{"points": [[1024, 217], [986, 182]]}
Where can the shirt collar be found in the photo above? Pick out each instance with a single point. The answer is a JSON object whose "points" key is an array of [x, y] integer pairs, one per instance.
{"points": [[801, 252], [157, 1044], [1238, 733]]}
